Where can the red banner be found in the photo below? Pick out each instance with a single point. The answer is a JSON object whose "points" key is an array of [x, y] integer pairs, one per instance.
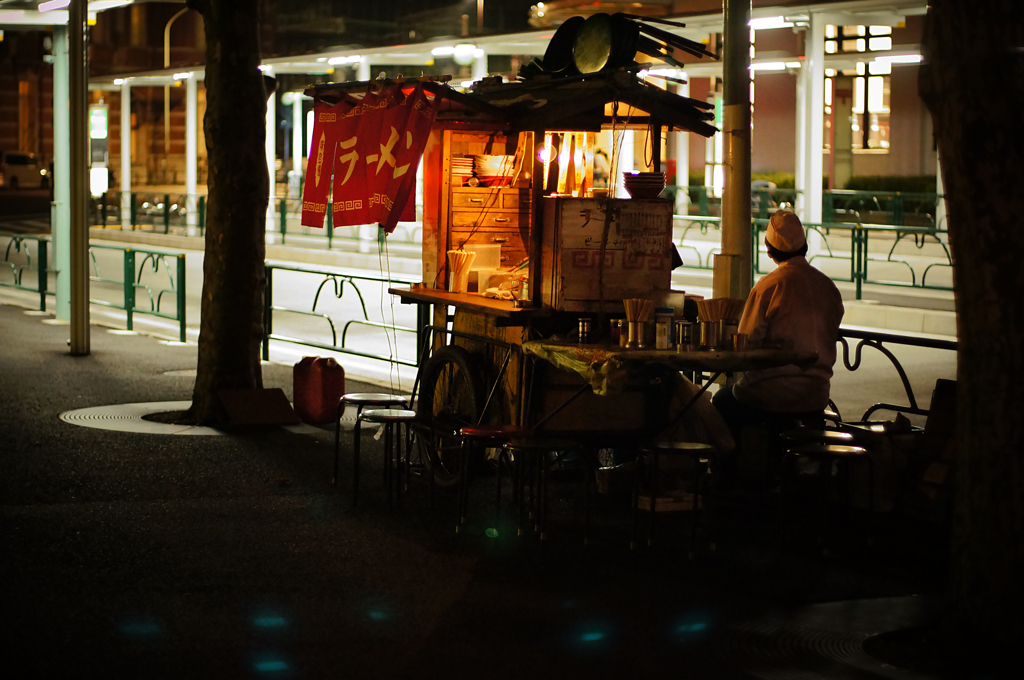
{"points": [[372, 147]]}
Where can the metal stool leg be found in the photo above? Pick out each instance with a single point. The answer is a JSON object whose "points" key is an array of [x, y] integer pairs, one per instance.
{"points": [[637, 471], [462, 493], [389, 473], [355, 456], [588, 479], [654, 499], [337, 439]]}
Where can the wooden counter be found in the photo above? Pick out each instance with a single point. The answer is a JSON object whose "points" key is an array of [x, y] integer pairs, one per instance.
{"points": [[506, 312]]}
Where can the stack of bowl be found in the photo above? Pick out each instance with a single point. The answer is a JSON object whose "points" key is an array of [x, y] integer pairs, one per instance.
{"points": [[644, 184]]}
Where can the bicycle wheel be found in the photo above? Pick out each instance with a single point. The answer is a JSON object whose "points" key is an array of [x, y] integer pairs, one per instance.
{"points": [[450, 397]]}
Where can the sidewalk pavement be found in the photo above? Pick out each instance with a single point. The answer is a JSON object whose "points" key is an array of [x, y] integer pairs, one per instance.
{"points": [[130, 555]]}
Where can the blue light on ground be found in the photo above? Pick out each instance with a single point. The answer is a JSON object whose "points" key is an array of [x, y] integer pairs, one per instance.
{"points": [[591, 636], [378, 615], [140, 628], [269, 621], [271, 666], [691, 627]]}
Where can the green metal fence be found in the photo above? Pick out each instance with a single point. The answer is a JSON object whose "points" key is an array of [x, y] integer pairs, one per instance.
{"points": [[337, 283], [133, 280], [135, 275], [848, 242], [895, 208], [24, 253]]}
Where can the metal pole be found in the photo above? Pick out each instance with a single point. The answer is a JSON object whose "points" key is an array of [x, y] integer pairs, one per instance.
{"points": [[298, 147], [268, 311], [43, 262], [813, 75], [271, 151], [167, 89], [126, 155], [78, 111], [180, 281], [129, 287], [191, 153], [61, 217], [733, 273], [683, 157]]}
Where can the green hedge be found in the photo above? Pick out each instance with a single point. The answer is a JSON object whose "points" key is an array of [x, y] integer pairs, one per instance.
{"points": [[787, 180], [924, 184]]}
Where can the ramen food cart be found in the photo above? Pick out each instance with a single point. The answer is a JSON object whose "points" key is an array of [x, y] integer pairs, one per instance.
{"points": [[509, 174]]}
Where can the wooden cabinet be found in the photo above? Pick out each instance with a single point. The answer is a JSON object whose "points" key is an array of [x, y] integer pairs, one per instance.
{"points": [[491, 216]]}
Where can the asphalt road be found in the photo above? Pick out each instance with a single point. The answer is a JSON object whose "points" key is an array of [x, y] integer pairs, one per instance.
{"points": [[131, 555], [21, 205]]}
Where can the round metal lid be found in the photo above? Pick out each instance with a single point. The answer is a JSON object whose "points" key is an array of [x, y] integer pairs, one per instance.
{"points": [[593, 46]]}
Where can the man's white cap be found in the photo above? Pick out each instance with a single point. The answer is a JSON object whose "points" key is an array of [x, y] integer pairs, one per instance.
{"points": [[785, 232]]}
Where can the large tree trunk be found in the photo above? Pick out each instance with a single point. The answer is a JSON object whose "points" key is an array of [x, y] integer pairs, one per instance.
{"points": [[973, 81], [231, 322]]}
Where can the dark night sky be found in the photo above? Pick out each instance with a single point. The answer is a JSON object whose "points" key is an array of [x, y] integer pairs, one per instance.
{"points": [[311, 25]]}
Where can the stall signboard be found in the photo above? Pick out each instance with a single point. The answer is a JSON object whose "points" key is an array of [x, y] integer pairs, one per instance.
{"points": [[364, 156], [637, 253]]}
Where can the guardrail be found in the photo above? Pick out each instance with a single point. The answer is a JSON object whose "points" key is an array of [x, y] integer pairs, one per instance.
{"points": [[878, 341], [894, 208], [843, 241], [131, 282], [338, 283], [18, 259]]}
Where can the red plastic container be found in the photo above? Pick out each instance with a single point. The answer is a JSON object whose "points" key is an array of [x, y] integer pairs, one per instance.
{"points": [[318, 384]]}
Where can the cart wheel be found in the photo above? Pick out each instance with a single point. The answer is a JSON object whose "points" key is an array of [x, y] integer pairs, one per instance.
{"points": [[451, 396]]}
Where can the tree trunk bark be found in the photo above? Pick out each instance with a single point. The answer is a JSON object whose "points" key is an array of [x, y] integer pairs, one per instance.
{"points": [[972, 79], [231, 323]]}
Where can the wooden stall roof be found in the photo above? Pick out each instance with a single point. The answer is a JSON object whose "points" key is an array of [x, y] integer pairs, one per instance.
{"points": [[574, 103]]}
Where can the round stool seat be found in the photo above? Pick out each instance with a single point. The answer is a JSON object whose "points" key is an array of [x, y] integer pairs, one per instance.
{"points": [[818, 449], [374, 399], [820, 436], [388, 415], [505, 432], [539, 444]]}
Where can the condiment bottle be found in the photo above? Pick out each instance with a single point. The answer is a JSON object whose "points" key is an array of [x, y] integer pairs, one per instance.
{"points": [[663, 327]]}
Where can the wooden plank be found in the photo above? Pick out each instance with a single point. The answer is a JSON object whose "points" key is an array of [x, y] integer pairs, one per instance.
{"points": [[476, 303]]}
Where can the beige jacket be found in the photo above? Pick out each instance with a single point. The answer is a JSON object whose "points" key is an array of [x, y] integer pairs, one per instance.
{"points": [[794, 307]]}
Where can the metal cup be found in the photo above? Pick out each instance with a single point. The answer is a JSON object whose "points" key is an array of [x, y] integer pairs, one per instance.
{"points": [[740, 341], [684, 335], [710, 334]]}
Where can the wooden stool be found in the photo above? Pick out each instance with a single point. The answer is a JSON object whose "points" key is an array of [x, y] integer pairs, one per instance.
{"points": [[496, 436], [392, 419], [360, 400], [700, 454], [529, 456], [826, 454]]}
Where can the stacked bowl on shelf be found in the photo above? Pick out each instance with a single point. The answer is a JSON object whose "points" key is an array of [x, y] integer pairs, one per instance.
{"points": [[644, 184]]}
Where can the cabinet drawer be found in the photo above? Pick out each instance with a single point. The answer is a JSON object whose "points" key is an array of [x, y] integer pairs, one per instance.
{"points": [[512, 248], [489, 219], [499, 199]]}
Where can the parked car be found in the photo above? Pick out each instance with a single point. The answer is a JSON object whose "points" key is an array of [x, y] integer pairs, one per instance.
{"points": [[20, 170]]}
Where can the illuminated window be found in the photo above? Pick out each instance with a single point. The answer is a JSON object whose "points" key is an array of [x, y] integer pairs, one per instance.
{"points": [[870, 120], [848, 39]]}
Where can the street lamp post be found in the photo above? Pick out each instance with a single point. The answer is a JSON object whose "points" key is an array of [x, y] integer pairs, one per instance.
{"points": [[167, 88]]}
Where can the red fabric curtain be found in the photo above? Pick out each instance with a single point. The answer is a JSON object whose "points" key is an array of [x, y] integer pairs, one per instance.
{"points": [[372, 147]]}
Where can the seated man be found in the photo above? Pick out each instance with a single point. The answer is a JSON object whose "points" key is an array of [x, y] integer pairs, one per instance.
{"points": [[794, 307]]}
